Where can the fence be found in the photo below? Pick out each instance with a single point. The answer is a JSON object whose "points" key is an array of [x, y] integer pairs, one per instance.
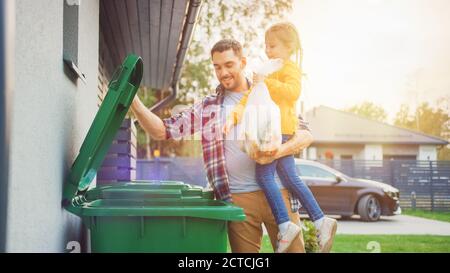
{"points": [[422, 184], [186, 169]]}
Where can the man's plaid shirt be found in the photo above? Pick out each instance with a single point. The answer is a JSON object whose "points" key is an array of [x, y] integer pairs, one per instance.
{"points": [[204, 116]]}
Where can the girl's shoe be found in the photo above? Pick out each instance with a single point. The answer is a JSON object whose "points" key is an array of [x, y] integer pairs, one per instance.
{"points": [[326, 234], [285, 239]]}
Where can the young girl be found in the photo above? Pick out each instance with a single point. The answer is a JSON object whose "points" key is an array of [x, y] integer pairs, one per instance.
{"points": [[282, 41]]}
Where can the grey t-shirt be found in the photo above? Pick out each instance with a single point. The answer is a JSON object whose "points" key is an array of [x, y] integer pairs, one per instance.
{"points": [[240, 167]]}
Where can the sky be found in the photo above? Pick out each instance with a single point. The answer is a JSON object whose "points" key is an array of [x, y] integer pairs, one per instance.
{"points": [[385, 51]]}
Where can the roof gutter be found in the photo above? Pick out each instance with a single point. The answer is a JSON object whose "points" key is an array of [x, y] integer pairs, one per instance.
{"points": [[193, 11], [6, 78]]}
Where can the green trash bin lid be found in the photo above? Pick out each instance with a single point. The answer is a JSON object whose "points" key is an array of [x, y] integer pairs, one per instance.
{"points": [[163, 198], [156, 198], [149, 189], [121, 91]]}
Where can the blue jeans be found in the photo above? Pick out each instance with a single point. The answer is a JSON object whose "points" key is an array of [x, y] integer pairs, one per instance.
{"points": [[285, 167]]}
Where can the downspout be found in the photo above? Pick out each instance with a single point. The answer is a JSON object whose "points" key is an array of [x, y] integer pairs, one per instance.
{"points": [[6, 81], [193, 11]]}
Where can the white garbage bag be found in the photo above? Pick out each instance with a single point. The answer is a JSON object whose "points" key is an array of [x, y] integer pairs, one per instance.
{"points": [[260, 127]]}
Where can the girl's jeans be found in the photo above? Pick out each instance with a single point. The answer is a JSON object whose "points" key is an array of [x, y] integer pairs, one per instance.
{"points": [[285, 167]]}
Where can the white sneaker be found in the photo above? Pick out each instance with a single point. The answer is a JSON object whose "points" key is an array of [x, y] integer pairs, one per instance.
{"points": [[285, 239], [326, 234]]}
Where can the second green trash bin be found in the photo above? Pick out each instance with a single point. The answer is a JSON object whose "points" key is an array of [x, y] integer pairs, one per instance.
{"points": [[140, 216]]}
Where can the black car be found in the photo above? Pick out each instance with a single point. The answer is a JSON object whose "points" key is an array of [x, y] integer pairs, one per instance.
{"points": [[339, 194]]}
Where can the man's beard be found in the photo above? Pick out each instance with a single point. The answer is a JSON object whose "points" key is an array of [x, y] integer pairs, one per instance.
{"points": [[232, 84]]}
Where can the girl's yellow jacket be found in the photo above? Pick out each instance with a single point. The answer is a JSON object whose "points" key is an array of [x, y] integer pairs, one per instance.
{"points": [[284, 87]]}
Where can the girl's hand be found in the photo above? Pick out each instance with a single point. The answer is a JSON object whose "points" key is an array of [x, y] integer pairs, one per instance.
{"points": [[258, 78], [227, 127]]}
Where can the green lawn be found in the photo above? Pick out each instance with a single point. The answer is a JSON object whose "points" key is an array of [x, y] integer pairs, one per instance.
{"points": [[386, 243], [441, 216]]}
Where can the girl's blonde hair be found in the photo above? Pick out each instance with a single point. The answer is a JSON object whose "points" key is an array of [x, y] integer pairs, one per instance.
{"points": [[287, 33]]}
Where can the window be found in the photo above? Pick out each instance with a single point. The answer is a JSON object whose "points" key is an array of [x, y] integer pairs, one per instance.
{"points": [[312, 171], [399, 157], [70, 40]]}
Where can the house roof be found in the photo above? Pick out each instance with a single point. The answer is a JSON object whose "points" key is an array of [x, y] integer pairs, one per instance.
{"points": [[329, 125], [152, 29]]}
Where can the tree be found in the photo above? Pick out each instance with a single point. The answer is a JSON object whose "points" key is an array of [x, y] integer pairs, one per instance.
{"points": [[369, 110], [426, 119], [243, 20], [403, 117]]}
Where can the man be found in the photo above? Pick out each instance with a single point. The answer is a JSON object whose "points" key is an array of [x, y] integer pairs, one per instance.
{"points": [[231, 172]]}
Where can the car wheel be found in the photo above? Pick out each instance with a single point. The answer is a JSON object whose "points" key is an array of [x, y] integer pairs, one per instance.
{"points": [[369, 208]]}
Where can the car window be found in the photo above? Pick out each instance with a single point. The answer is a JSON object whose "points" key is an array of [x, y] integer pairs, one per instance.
{"points": [[312, 171]]}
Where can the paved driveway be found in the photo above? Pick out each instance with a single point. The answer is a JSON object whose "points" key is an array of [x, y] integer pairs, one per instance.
{"points": [[398, 224]]}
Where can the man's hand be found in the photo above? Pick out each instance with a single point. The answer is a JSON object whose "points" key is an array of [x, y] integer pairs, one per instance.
{"points": [[301, 140], [261, 157], [264, 158], [257, 78], [268, 157]]}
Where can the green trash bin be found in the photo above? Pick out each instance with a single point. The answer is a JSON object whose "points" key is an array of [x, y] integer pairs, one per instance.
{"points": [[140, 216]]}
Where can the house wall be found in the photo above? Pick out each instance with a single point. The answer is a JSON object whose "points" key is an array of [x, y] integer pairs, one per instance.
{"points": [[373, 151], [51, 116], [317, 151], [311, 153], [105, 67]]}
